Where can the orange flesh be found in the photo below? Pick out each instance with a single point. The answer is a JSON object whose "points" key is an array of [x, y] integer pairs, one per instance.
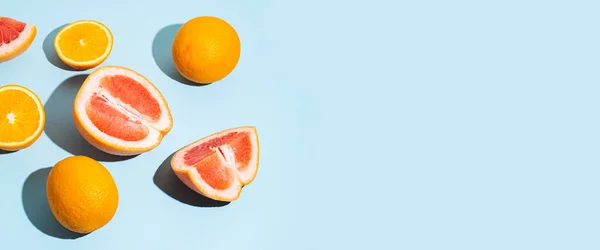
{"points": [[111, 110], [20, 107], [132, 93], [205, 157], [10, 30], [83, 42]]}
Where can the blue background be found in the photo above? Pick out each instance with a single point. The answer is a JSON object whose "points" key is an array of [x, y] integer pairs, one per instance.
{"points": [[383, 125]]}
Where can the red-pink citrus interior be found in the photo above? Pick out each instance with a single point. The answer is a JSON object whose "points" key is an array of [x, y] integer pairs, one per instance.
{"points": [[120, 107], [10, 30], [132, 93], [207, 158]]}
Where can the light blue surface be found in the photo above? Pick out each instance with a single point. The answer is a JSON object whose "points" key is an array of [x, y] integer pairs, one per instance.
{"points": [[398, 125]]}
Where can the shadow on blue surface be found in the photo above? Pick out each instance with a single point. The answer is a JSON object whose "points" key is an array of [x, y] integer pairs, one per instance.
{"points": [[60, 127], [50, 52], [161, 51], [2, 152], [36, 206], [167, 181]]}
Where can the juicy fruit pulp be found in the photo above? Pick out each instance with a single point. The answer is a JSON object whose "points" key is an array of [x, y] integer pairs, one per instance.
{"points": [[15, 38], [10, 29], [22, 117], [82, 194], [206, 49], [120, 112], [83, 44], [120, 105], [219, 165]]}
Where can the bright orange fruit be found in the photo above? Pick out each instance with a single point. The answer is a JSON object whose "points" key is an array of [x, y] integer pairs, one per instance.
{"points": [[22, 117], [82, 194], [83, 44], [206, 49]]}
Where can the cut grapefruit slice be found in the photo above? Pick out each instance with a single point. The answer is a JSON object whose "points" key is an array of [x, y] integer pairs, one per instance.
{"points": [[15, 37], [120, 112], [219, 165]]}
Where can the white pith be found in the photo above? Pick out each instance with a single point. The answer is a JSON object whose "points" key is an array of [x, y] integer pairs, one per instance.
{"points": [[40, 110], [227, 157], [11, 117], [23, 36], [92, 86], [96, 60]]}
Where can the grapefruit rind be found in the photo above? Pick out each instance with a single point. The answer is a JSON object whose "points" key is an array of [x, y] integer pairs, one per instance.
{"points": [[87, 64], [192, 179], [20, 45], [16, 146], [105, 142]]}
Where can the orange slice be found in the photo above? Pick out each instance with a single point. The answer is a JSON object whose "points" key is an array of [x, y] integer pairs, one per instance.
{"points": [[83, 44], [120, 112], [22, 117], [15, 38], [219, 165]]}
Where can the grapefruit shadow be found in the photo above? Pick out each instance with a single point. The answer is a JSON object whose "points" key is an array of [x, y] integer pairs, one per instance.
{"points": [[37, 209], [50, 52], [167, 181], [60, 127], [161, 51]]}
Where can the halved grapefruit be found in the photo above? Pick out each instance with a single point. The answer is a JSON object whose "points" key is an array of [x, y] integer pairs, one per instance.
{"points": [[219, 165], [120, 112], [15, 37]]}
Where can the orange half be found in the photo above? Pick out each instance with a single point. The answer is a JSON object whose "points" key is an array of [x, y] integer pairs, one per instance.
{"points": [[84, 44], [22, 117]]}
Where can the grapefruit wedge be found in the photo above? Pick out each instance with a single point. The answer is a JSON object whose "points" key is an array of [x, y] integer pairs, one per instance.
{"points": [[15, 37], [120, 112], [219, 165]]}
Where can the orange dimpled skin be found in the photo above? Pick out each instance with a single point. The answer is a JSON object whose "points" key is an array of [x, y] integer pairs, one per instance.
{"points": [[206, 49], [82, 194]]}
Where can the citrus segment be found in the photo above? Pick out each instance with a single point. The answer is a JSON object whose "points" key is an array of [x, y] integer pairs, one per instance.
{"points": [[83, 44], [113, 122], [134, 94], [121, 112], [22, 117], [219, 165], [215, 173], [15, 37]]}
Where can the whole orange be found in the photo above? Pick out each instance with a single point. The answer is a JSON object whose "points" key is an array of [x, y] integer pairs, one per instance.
{"points": [[82, 194], [206, 49]]}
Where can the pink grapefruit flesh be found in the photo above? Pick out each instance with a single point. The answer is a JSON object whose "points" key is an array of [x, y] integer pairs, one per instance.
{"points": [[219, 165], [10, 29], [15, 37], [120, 109], [121, 112]]}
